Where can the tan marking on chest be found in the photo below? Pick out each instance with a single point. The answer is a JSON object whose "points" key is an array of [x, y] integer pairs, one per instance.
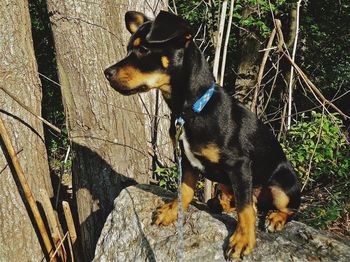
{"points": [[210, 152]]}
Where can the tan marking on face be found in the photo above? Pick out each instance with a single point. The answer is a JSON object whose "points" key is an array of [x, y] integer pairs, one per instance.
{"points": [[132, 78], [280, 199], [137, 41], [210, 152], [165, 61]]}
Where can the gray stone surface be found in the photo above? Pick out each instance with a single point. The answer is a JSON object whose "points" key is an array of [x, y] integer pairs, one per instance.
{"points": [[129, 236]]}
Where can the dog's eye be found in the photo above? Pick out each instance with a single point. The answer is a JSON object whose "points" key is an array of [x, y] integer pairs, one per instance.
{"points": [[143, 50]]}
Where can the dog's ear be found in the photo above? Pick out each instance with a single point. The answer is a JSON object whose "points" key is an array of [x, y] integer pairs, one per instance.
{"points": [[168, 26], [133, 20]]}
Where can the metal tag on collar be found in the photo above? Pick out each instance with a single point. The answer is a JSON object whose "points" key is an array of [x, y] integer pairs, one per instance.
{"points": [[203, 100]]}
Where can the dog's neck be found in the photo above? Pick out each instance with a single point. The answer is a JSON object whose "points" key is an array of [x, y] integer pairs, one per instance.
{"points": [[191, 81]]}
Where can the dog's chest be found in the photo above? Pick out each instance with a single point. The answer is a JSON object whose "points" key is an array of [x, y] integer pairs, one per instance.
{"points": [[195, 162]]}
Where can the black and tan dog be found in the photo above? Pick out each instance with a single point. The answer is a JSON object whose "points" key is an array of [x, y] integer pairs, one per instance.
{"points": [[224, 141]]}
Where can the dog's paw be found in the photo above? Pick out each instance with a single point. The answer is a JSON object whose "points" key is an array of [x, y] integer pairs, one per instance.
{"points": [[165, 215], [241, 243], [276, 221]]}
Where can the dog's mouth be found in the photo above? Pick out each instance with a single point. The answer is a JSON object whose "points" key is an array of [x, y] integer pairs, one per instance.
{"points": [[127, 91]]}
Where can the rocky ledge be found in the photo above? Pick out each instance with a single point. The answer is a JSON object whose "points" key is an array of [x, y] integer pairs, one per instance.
{"points": [[129, 236]]}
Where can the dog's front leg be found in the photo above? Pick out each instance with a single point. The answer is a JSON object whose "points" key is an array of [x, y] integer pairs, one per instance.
{"points": [[166, 214], [243, 240]]}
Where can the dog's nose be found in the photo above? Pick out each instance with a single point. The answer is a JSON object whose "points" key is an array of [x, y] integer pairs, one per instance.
{"points": [[109, 72]]}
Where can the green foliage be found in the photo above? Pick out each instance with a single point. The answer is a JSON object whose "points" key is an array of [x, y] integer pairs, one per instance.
{"points": [[167, 177], [52, 106], [318, 138], [255, 15], [328, 211]]}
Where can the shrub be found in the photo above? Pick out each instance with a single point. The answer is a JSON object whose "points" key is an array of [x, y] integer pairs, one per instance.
{"points": [[319, 140]]}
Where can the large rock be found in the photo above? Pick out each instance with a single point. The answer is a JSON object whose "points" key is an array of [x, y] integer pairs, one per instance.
{"points": [[129, 236]]}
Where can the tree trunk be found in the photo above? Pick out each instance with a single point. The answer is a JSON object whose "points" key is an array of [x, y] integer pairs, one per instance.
{"points": [[248, 67], [18, 75], [110, 134]]}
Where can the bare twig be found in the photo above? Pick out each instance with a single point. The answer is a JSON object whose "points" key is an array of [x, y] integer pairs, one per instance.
{"points": [[314, 151], [227, 38], [278, 25], [59, 246], [290, 86], [30, 111], [308, 82], [53, 224], [253, 106], [314, 89], [60, 178], [219, 39], [26, 189], [272, 88], [71, 229], [70, 245]]}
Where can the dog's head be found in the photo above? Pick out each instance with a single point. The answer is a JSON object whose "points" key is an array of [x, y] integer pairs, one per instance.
{"points": [[155, 50]]}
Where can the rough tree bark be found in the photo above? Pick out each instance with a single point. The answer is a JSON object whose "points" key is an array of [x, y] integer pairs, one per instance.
{"points": [[18, 75], [248, 67], [109, 132]]}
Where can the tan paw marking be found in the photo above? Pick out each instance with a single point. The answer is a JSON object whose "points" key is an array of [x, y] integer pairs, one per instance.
{"points": [[165, 215], [276, 221], [243, 240]]}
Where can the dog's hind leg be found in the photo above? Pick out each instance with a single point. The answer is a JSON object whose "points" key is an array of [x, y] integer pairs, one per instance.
{"points": [[224, 201], [285, 192]]}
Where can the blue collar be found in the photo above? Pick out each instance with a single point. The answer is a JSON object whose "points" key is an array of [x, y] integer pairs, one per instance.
{"points": [[198, 105], [204, 99]]}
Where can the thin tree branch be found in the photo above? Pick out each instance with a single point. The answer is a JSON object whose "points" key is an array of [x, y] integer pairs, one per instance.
{"points": [[227, 38], [30, 111], [26, 189], [253, 106], [290, 86]]}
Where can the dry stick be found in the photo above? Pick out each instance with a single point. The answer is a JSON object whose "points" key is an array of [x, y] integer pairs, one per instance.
{"points": [[282, 122], [253, 106], [227, 38], [308, 82], [71, 229], [60, 176], [59, 245], [272, 88], [70, 245], [219, 39], [69, 220], [290, 87], [30, 111], [314, 88], [26, 189], [278, 25], [314, 151], [208, 184], [53, 224]]}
